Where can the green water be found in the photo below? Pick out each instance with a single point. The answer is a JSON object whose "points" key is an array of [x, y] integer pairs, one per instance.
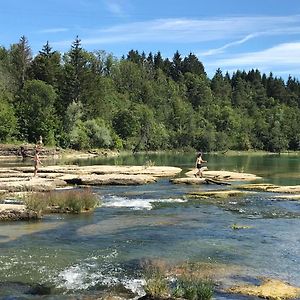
{"points": [[103, 251]]}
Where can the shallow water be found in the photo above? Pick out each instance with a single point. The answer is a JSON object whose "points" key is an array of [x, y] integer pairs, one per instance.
{"points": [[84, 255]]}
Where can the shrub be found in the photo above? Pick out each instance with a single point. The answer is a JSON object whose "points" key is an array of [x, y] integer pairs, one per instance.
{"points": [[191, 284], [156, 284], [36, 202], [193, 288], [73, 201]]}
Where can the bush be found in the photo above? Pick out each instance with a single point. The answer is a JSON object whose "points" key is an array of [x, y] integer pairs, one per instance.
{"points": [[156, 283], [193, 288], [192, 284], [78, 137], [36, 202], [98, 133], [73, 201]]}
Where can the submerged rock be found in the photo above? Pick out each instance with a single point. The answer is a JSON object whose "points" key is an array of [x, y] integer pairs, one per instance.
{"points": [[216, 194], [269, 289], [198, 180]]}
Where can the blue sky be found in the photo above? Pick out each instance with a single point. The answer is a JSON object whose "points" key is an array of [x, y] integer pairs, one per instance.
{"points": [[230, 34]]}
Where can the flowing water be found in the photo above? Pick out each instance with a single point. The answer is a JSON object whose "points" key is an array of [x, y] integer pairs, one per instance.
{"points": [[79, 257]]}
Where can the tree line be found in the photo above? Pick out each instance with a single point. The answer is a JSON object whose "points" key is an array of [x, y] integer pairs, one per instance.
{"points": [[82, 100]]}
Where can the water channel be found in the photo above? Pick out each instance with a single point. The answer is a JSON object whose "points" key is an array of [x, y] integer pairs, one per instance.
{"points": [[79, 256]]}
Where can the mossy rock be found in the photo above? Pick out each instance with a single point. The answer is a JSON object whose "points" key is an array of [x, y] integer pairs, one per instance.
{"points": [[238, 227], [266, 187], [272, 289]]}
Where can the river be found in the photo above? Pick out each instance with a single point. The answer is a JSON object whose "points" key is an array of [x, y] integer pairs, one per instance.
{"points": [[81, 256]]}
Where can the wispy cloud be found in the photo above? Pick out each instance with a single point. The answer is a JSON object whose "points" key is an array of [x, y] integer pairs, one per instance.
{"points": [[229, 31], [226, 46], [53, 30], [115, 7], [184, 30], [279, 55]]}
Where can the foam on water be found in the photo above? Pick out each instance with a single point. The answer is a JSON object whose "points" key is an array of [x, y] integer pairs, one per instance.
{"points": [[136, 203], [98, 270]]}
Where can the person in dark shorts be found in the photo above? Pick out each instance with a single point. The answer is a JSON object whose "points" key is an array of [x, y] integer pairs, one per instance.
{"points": [[200, 165]]}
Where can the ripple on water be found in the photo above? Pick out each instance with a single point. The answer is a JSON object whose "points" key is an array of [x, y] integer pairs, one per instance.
{"points": [[135, 203]]}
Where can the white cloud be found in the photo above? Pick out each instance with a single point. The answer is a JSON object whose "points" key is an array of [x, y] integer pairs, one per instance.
{"points": [[280, 55]]}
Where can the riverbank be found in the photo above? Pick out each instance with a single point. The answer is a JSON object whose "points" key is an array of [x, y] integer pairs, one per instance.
{"points": [[24, 151]]}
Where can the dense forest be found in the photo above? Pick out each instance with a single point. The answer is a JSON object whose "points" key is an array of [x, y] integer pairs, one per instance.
{"points": [[82, 100]]}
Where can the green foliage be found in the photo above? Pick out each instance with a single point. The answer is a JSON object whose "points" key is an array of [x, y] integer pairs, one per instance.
{"points": [[125, 123], [99, 135], [35, 111], [8, 121], [78, 137], [142, 102]]}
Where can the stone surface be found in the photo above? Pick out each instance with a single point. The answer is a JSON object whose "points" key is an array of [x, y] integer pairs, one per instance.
{"points": [[285, 197], [15, 212], [272, 188], [225, 175], [19, 179], [31, 184], [159, 171], [269, 289], [188, 180]]}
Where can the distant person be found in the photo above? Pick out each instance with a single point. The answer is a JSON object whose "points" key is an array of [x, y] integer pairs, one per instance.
{"points": [[200, 164], [39, 143], [36, 161], [23, 153]]}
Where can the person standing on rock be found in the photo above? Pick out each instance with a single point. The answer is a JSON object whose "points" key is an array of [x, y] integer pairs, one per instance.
{"points": [[36, 160], [200, 164]]}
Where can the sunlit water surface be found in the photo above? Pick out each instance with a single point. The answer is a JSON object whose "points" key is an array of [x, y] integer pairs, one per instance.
{"points": [[87, 254]]}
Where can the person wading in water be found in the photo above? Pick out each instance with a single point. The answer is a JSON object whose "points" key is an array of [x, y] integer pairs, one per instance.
{"points": [[200, 164]]}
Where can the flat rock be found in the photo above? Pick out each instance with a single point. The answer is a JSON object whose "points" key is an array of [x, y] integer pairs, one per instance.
{"points": [[188, 180], [272, 188], [31, 184], [19, 179], [12, 206], [269, 289], [14, 212], [283, 197], [158, 171], [225, 175]]}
